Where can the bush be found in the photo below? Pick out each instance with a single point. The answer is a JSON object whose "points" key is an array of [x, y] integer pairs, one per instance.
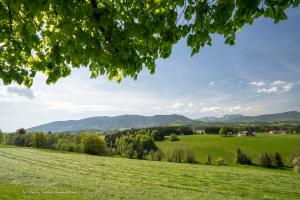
{"points": [[297, 170], [157, 136], [208, 160], [173, 137], [296, 164], [278, 160], [189, 156], [220, 161], [265, 160], [242, 158], [92, 144], [1, 136], [156, 155], [177, 155]]}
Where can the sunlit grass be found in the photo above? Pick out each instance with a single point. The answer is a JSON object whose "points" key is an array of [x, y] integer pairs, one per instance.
{"points": [[225, 147], [37, 174]]}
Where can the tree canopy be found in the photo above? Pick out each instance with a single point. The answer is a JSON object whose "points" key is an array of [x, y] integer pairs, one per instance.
{"points": [[114, 38]]}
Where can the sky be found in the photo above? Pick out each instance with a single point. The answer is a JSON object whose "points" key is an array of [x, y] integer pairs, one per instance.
{"points": [[259, 75]]}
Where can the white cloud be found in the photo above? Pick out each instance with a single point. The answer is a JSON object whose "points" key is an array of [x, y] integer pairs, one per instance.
{"points": [[277, 86], [176, 105], [258, 83], [210, 109], [278, 82], [15, 93], [288, 87], [267, 90], [212, 83]]}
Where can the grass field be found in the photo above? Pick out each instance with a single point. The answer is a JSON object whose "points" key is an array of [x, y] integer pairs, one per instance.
{"points": [[40, 174], [226, 147]]}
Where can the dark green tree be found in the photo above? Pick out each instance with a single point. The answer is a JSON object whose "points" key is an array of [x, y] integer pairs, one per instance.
{"points": [[265, 160], [242, 158], [21, 131], [115, 38], [1, 136], [278, 160]]}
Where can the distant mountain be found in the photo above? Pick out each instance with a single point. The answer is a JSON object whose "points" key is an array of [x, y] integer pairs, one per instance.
{"points": [[291, 116], [112, 123]]}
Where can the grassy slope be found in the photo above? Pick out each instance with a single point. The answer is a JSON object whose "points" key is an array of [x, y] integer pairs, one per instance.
{"points": [[226, 147], [37, 174]]}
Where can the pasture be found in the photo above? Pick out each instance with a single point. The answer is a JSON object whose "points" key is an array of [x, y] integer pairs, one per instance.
{"points": [[225, 147], [28, 173]]}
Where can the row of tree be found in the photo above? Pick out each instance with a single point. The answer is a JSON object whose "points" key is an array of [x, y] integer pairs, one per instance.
{"points": [[85, 142], [256, 128], [156, 133]]}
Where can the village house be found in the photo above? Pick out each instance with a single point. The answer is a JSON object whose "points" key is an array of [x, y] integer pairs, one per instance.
{"points": [[246, 133]]}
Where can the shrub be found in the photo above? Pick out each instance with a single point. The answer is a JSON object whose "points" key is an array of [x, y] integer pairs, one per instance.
{"points": [[208, 159], [265, 160], [297, 170], [1, 136], [189, 156], [156, 155], [220, 161], [92, 144], [157, 136], [242, 158], [177, 155], [278, 160], [173, 137], [296, 164]]}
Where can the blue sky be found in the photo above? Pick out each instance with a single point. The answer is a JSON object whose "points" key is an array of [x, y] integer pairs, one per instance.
{"points": [[259, 75]]}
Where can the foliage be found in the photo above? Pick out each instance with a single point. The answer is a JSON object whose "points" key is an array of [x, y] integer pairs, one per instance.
{"points": [[189, 156], [181, 156], [115, 38], [177, 155], [208, 159], [265, 160], [156, 155], [157, 135], [135, 146], [173, 137], [220, 161], [224, 131], [296, 164], [278, 160], [21, 131], [93, 144], [1, 136], [211, 130], [242, 158], [111, 137]]}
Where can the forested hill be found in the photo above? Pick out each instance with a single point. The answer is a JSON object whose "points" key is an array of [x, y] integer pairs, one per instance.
{"points": [[291, 116], [105, 123]]}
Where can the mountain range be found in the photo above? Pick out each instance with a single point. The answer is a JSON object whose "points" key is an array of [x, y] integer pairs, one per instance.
{"points": [[106, 123], [291, 116]]}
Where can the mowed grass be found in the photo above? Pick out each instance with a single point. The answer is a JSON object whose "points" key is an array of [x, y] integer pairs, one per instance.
{"points": [[225, 147], [27, 173]]}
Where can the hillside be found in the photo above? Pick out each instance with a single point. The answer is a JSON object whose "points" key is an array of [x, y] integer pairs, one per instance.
{"points": [[112, 123], [291, 116], [225, 147], [34, 174]]}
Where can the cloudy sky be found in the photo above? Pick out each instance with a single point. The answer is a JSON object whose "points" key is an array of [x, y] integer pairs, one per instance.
{"points": [[259, 75]]}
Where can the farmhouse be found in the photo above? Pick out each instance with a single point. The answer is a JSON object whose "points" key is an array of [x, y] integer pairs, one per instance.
{"points": [[278, 132], [246, 133]]}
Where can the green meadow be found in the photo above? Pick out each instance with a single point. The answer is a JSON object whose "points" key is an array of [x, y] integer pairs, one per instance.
{"points": [[225, 147], [28, 173]]}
